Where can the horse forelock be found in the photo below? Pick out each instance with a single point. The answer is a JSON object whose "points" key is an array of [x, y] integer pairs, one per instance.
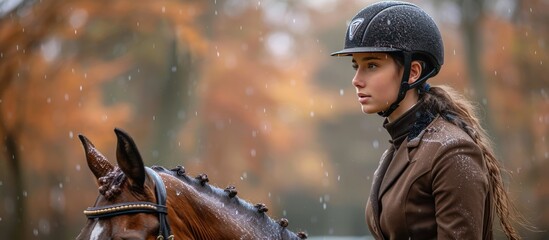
{"points": [[110, 185]]}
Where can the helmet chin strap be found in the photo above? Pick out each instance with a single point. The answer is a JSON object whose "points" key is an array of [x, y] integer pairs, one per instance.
{"points": [[404, 85]]}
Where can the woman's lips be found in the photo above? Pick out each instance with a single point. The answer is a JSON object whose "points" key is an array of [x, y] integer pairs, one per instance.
{"points": [[363, 98]]}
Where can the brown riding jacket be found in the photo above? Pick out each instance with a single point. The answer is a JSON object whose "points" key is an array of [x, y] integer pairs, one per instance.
{"points": [[435, 187]]}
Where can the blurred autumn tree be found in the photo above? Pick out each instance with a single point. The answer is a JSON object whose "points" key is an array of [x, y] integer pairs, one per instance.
{"points": [[257, 108], [61, 68], [517, 69], [256, 92], [70, 68]]}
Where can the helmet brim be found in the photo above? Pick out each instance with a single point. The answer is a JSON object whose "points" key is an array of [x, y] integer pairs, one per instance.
{"points": [[350, 51]]}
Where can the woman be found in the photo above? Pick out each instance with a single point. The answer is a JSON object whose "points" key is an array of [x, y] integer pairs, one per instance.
{"points": [[440, 178]]}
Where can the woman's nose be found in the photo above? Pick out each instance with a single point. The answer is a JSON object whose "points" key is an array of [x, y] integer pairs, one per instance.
{"points": [[357, 81]]}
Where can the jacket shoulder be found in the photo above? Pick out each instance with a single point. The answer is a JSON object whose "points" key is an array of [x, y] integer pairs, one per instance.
{"points": [[443, 133], [441, 138]]}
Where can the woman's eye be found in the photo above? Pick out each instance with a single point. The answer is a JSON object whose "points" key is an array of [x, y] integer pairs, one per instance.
{"points": [[368, 66]]}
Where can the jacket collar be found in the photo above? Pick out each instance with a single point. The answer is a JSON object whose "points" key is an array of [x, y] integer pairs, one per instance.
{"points": [[401, 159], [406, 133], [401, 127]]}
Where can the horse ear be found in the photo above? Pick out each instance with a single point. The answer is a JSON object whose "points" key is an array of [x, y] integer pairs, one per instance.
{"points": [[129, 160], [98, 164]]}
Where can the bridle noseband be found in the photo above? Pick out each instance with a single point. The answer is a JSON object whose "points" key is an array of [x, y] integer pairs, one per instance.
{"points": [[139, 207]]}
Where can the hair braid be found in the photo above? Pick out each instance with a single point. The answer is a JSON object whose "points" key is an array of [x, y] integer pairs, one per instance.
{"points": [[456, 109]]}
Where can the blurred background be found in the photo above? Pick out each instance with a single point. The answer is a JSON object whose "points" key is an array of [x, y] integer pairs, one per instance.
{"points": [[246, 92]]}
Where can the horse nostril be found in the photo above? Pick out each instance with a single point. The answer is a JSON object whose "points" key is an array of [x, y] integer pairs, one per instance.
{"points": [[261, 207], [203, 178], [302, 235], [283, 222], [231, 191]]}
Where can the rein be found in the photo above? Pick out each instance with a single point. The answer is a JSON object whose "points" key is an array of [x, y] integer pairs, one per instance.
{"points": [[139, 207]]}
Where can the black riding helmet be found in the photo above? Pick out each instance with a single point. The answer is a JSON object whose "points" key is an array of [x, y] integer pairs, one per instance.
{"points": [[397, 27]]}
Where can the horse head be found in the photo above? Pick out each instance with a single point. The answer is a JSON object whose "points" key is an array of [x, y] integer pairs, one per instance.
{"points": [[137, 202]]}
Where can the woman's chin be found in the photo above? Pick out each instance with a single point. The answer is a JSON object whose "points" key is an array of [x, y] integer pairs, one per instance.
{"points": [[369, 110]]}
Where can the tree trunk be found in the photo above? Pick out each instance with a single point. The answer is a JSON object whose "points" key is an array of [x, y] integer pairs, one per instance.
{"points": [[172, 102], [19, 217], [472, 12]]}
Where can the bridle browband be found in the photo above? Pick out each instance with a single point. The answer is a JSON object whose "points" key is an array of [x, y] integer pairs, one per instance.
{"points": [[164, 231]]}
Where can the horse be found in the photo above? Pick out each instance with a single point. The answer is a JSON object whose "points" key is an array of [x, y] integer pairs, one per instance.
{"points": [[138, 202]]}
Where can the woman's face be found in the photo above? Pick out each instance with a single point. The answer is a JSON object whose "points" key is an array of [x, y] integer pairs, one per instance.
{"points": [[377, 80]]}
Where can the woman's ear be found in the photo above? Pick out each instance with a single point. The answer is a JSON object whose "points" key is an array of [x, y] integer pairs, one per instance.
{"points": [[415, 71]]}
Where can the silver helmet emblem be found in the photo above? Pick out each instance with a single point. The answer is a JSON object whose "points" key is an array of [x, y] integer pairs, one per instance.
{"points": [[354, 26]]}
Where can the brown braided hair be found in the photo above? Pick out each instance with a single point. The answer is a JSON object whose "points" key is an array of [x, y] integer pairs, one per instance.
{"points": [[455, 108]]}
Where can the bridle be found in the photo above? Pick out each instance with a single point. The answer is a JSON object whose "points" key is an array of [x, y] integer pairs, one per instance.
{"points": [[139, 207]]}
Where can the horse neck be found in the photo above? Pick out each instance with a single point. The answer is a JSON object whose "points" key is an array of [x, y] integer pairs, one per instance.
{"points": [[198, 211], [191, 217]]}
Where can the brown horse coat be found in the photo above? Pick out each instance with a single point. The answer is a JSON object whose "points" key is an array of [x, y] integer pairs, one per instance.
{"points": [[195, 209]]}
